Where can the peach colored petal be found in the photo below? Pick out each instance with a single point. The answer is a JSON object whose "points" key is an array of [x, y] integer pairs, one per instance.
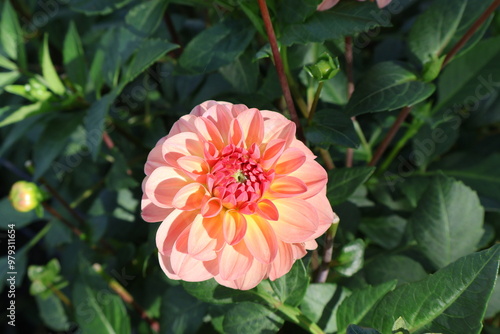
{"points": [[254, 275], [190, 197], [279, 129], [221, 117], [261, 239], [211, 208], [234, 261], [171, 228], [313, 175], [203, 239], [383, 3], [155, 158], [208, 132], [298, 220], [283, 261], [252, 125], [235, 134], [193, 165], [180, 145], [311, 244], [163, 184], [272, 153], [152, 213], [327, 4], [188, 268], [234, 226], [184, 124], [287, 186], [268, 210], [299, 250], [290, 161]]}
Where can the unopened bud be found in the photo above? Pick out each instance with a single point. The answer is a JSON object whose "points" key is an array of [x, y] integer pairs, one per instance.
{"points": [[25, 196], [325, 68]]}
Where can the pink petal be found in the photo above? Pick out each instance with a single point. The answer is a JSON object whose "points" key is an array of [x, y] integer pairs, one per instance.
{"points": [[311, 244], [260, 239], [234, 261], [202, 243], [171, 228], [184, 124], [383, 3], [235, 134], [268, 210], [299, 251], [190, 197], [254, 275], [283, 261], [234, 226], [287, 186], [298, 220], [252, 125], [290, 161], [279, 129], [221, 116], [163, 184], [187, 268]]}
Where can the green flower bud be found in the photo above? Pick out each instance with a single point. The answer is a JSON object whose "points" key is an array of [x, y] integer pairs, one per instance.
{"points": [[25, 196], [325, 68]]}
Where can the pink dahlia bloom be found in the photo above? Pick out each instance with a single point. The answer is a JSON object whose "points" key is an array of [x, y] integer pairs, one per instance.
{"points": [[327, 4], [240, 199]]}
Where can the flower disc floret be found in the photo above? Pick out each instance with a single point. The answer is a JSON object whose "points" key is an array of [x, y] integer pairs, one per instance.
{"points": [[239, 197]]}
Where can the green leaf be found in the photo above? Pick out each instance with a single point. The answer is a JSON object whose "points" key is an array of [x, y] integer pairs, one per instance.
{"points": [[74, 57], [292, 287], [453, 300], [117, 177], [52, 313], [212, 292], [145, 18], [49, 72], [150, 51], [6, 63], [24, 112], [98, 309], [7, 78], [335, 90], [97, 7], [243, 74], [343, 182], [386, 232], [296, 11], [180, 312], [11, 35], [353, 329], [350, 259], [393, 267], [216, 46], [321, 303], [470, 78], [52, 141], [494, 302], [94, 122], [345, 19], [448, 220], [331, 127], [434, 29], [251, 318], [483, 176], [356, 306], [387, 86]]}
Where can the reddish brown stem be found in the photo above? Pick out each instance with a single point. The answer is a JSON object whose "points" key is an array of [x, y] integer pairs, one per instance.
{"points": [[107, 140], [390, 135], [279, 66], [61, 200], [472, 30], [349, 64], [56, 214]]}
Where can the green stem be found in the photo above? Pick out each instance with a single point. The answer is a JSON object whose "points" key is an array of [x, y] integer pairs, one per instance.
{"points": [[37, 237], [314, 104], [362, 138], [293, 314]]}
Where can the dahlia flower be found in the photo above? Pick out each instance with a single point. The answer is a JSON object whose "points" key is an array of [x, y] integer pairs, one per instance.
{"points": [[240, 199], [327, 4]]}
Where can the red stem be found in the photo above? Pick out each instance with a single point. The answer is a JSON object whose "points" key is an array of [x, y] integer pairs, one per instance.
{"points": [[390, 135], [279, 66], [472, 30]]}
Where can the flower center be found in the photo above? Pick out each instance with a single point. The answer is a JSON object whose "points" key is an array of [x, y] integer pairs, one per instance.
{"points": [[238, 179]]}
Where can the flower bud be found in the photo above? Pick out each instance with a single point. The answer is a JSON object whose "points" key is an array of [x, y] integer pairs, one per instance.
{"points": [[325, 68], [25, 196]]}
